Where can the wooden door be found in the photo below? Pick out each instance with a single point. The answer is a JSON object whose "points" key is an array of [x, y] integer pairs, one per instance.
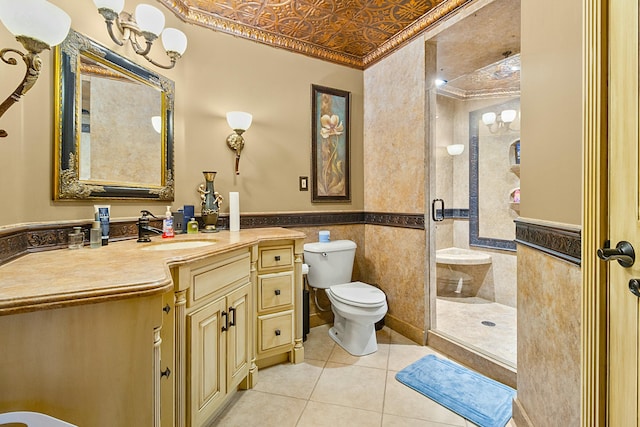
{"points": [[624, 212]]}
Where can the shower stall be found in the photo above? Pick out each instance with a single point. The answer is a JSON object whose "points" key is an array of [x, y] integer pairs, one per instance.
{"points": [[474, 172]]}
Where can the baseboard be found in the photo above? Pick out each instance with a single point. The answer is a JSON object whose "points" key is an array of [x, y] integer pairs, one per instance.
{"points": [[472, 359], [400, 326], [520, 416]]}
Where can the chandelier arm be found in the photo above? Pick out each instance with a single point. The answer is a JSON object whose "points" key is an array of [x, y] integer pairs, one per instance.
{"points": [[166, 67], [33, 65], [137, 47], [113, 36]]}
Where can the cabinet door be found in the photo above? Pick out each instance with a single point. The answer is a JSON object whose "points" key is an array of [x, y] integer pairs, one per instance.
{"points": [[206, 369], [239, 335]]}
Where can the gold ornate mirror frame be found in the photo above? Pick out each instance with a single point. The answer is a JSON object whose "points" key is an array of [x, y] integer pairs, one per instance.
{"points": [[114, 126]]}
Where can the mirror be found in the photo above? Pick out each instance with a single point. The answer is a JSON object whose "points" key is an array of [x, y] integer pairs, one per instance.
{"points": [[494, 175], [114, 122]]}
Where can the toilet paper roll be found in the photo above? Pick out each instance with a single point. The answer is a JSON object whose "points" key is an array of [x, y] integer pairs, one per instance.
{"points": [[305, 268], [234, 211]]}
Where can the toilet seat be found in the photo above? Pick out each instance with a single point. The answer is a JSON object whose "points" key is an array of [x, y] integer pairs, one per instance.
{"points": [[358, 294]]}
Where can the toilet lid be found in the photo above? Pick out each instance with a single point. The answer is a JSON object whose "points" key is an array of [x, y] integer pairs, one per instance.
{"points": [[358, 293]]}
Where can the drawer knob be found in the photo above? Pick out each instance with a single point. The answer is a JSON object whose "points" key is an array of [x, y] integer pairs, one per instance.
{"points": [[277, 257], [277, 291], [167, 308], [278, 332]]}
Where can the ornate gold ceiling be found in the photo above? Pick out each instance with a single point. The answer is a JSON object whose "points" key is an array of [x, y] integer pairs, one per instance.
{"points": [[356, 33]]}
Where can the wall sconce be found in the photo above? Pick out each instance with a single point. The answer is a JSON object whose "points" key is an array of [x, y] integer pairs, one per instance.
{"points": [[455, 149], [502, 121], [239, 122], [37, 25], [148, 23]]}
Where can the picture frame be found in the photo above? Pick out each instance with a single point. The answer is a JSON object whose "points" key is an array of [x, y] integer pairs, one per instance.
{"points": [[330, 145]]}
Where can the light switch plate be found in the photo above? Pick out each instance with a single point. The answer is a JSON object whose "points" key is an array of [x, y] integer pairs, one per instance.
{"points": [[304, 183]]}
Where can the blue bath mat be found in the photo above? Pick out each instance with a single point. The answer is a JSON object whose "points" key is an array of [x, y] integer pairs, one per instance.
{"points": [[477, 398]]}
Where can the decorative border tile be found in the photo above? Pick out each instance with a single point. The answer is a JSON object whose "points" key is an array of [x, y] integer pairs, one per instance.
{"points": [[299, 220], [454, 213], [25, 239], [395, 220], [556, 240]]}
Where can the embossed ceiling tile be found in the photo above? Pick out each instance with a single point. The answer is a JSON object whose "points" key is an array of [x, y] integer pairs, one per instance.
{"points": [[351, 32]]}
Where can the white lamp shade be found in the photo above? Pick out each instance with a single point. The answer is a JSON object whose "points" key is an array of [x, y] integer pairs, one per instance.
{"points": [[114, 5], [455, 149], [156, 122], [489, 118], [174, 40], [239, 120], [36, 19], [149, 19], [508, 115]]}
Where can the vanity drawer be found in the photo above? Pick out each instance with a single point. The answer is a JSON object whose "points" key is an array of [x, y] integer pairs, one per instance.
{"points": [[214, 277], [275, 330], [274, 257], [275, 290]]}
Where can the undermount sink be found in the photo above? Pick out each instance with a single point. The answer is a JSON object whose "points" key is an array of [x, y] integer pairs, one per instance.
{"points": [[172, 246]]}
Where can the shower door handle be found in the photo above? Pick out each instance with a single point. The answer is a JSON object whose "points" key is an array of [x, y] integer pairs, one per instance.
{"points": [[434, 214]]}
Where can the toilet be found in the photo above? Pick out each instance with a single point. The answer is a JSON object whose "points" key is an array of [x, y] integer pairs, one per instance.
{"points": [[356, 306]]}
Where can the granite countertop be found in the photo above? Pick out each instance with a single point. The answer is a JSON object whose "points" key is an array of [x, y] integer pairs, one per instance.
{"points": [[119, 270]]}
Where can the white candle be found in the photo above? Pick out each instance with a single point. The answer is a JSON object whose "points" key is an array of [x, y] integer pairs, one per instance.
{"points": [[234, 211]]}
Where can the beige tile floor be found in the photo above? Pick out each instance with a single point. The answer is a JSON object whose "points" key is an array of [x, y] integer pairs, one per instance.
{"points": [[461, 318], [332, 388]]}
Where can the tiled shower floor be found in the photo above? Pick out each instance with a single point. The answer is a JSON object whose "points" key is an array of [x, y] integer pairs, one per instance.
{"points": [[461, 318]]}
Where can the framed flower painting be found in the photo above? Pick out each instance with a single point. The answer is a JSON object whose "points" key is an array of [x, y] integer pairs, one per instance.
{"points": [[330, 130]]}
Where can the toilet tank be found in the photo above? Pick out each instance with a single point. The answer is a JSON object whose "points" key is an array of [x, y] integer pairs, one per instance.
{"points": [[330, 263]]}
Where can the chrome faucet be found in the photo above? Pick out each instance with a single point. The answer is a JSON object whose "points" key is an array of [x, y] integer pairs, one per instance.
{"points": [[144, 229]]}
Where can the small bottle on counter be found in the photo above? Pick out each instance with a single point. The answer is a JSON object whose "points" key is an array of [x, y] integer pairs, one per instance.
{"points": [[76, 238], [192, 226], [95, 235]]}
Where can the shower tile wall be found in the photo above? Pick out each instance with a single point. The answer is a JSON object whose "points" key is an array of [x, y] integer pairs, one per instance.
{"points": [[396, 261], [394, 181], [452, 175], [548, 339], [446, 179]]}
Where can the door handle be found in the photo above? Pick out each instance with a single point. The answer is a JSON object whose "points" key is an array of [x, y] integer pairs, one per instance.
{"points": [[226, 321], [634, 287], [434, 214], [623, 253], [232, 310]]}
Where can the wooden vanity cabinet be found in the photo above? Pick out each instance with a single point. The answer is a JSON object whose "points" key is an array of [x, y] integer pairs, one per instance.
{"points": [[88, 364], [231, 313], [213, 335], [279, 303]]}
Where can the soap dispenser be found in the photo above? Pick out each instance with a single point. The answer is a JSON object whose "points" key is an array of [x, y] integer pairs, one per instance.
{"points": [[167, 224]]}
